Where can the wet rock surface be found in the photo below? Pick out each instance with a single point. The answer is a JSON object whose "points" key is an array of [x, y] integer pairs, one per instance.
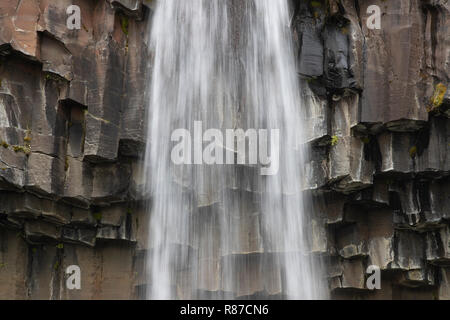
{"points": [[72, 133]]}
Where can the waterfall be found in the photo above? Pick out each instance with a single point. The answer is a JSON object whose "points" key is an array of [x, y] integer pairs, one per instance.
{"points": [[221, 230]]}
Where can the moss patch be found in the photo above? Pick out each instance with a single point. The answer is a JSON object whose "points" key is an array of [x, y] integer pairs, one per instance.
{"points": [[365, 140], [124, 24], [413, 151], [23, 149], [97, 216], [438, 97], [334, 140]]}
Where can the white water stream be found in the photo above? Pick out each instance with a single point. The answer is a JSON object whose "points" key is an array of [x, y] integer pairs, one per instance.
{"points": [[225, 231]]}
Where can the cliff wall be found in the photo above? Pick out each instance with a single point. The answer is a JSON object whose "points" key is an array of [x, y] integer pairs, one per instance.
{"points": [[72, 132]]}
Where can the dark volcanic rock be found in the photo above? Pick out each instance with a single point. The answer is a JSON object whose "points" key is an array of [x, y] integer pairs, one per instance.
{"points": [[376, 106]]}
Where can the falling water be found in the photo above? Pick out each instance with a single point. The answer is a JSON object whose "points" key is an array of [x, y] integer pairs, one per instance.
{"points": [[225, 231]]}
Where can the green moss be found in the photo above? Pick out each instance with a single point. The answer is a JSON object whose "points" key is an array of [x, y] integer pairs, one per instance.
{"points": [[365, 140], [23, 149], [56, 265], [316, 4], [413, 151], [124, 24], [438, 96], [97, 216], [4, 144], [27, 137], [66, 163], [334, 140], [53, 77], [2, 265], [60, 246]]}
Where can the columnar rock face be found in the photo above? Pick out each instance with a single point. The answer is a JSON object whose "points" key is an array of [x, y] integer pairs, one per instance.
{"points": [[72, 134], [380, 152]]}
